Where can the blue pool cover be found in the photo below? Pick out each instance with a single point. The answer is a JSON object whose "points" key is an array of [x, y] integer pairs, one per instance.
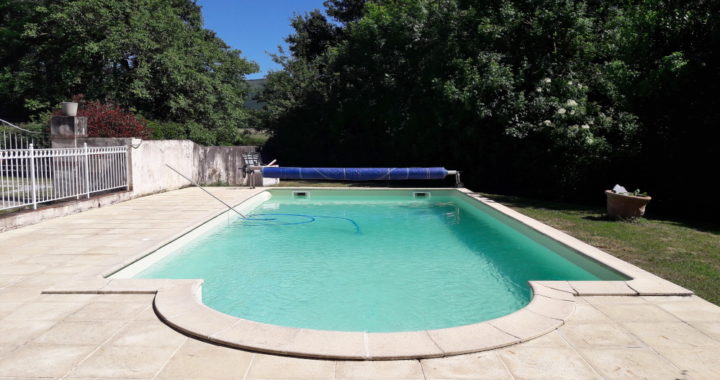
{"points": [[354, 174]]}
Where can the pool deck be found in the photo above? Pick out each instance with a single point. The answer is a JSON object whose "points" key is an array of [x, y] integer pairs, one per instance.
{"points": [[121, 336]]}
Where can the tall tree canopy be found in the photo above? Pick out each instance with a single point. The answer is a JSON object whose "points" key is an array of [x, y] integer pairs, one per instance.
{"points": [[558, 98], [153, 56]]}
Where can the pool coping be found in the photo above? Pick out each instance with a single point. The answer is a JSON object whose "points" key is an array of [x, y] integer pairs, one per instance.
{"points": [[179, 304]]}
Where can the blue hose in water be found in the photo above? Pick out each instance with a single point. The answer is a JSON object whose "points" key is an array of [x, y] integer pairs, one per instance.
{"points": [[308, 219]]}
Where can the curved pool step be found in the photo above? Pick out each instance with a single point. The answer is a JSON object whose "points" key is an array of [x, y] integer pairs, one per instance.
{"points": [[181, 307]]}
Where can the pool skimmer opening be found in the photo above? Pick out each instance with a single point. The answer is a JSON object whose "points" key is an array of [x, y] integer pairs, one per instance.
{"points": [[300, 194]]}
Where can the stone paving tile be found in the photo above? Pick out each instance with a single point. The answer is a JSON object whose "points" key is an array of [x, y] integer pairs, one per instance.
{"points": [[711, 329], [41, 282], [587, 313], [71, 269], [142, 299], [7, 280], [588, 335], [394, 345], [200, 360], [7, 349], [465, 339], [20, 269], [8, 308], [397, 369], [43, 311], [42, 360], [671, 334], [700, 363], [552, 339], [68, 298], [484, 365], [124, 362], [633, 363], [106, 311], [45, 259], [595, 300], [694, 310], [546, 363], [279, 367], [23, 295], [80, 333], [148, 334], [636, 313], [589, 288], [147, 314], [20, 332]]}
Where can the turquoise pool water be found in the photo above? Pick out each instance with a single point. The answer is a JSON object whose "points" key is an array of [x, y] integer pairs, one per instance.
{"points": [[373, 261]]}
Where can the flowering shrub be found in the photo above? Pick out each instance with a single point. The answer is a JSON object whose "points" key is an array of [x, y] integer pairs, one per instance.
{"points": [[575, 134], [559, 108], [110, 120]]}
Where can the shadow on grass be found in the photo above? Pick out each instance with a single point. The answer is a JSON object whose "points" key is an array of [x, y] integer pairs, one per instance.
{"points": [[700, 225], [521, 202], [598, 214]]}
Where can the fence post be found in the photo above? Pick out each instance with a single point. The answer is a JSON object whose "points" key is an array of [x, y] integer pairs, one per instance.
{"points": [[87, 170], [32, 176], [127, 167]]}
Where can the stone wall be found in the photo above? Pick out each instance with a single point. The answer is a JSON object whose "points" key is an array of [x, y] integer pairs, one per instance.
{"points": [[207, 165]]}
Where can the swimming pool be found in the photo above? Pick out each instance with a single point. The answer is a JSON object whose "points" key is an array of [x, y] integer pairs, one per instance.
{"points": [[370, 260]]}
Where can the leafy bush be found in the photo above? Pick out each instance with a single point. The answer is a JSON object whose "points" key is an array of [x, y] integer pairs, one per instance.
{"points": [[109, 120], [168, 130]]}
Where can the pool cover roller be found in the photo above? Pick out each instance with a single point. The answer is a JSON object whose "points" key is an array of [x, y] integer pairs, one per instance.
{"points": [[356, 174]]}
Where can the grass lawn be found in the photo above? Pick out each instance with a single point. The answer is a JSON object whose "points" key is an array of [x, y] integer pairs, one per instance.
{"points": [[681, 251]]}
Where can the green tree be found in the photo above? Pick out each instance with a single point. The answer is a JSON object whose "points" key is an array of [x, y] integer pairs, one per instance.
{"points": [[553, 98], [153, 56], [508, 91]]}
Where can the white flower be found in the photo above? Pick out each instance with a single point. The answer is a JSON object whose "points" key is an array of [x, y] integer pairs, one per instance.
{"points": [[561, 111], [571, 103], [589, 140], [569, 83], [547, 123], [572, 112], [538, 89], [585, 126], [547, 80], [574, 127]]}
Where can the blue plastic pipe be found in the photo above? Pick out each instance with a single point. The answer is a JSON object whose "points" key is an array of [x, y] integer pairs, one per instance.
{"points": [[354, 174]]}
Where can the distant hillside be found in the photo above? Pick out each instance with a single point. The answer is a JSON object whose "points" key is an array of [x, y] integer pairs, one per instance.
{"points": [[256, 85]]}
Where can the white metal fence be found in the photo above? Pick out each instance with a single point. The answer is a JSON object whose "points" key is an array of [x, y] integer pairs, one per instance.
{"points": [[31, 176]]}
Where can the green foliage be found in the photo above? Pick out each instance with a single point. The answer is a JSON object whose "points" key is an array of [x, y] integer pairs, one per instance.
{"points": [[109, 120], [557, 98], [150, 55]]}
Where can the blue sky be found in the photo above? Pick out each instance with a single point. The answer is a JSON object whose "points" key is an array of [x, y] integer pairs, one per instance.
{"points": [[254, 26]]}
